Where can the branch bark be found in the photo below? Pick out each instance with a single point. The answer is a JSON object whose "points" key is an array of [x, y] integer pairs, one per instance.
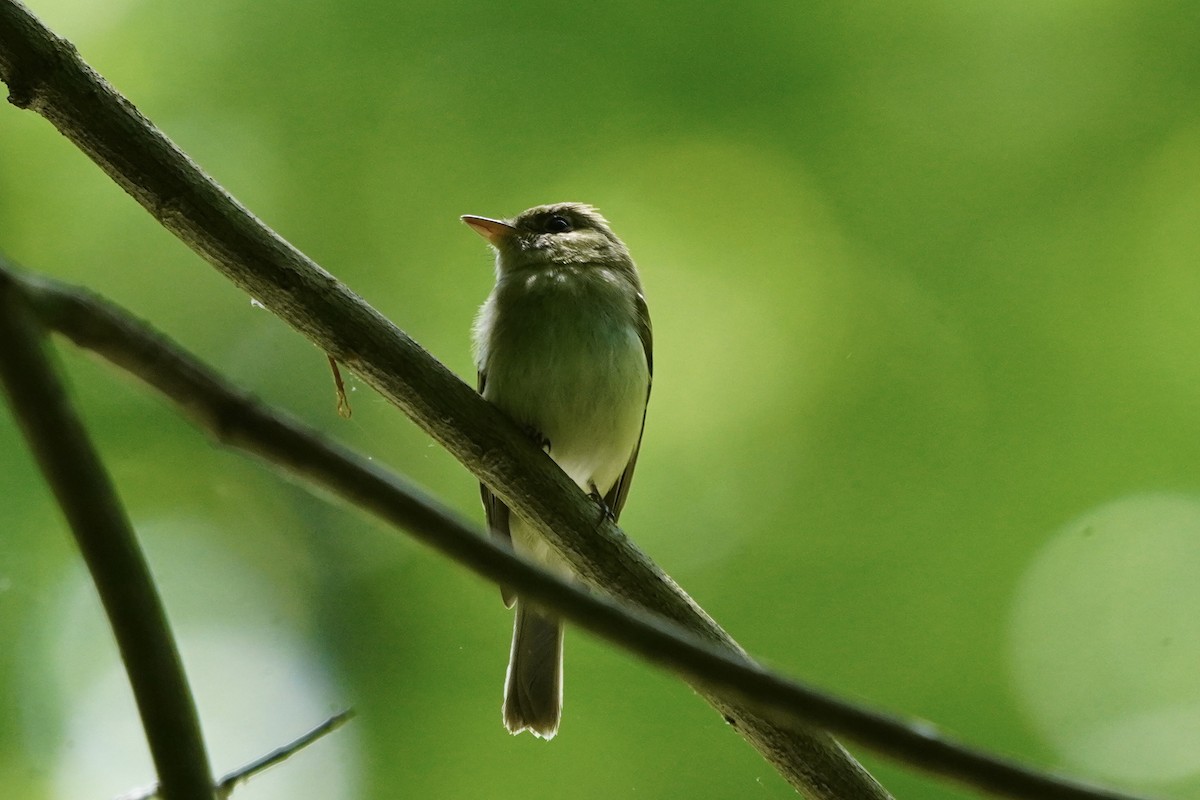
{"points": [[120, 573], [237, 420]]}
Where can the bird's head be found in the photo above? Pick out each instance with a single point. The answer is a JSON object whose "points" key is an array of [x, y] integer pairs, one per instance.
{"points": [[556, 235]]}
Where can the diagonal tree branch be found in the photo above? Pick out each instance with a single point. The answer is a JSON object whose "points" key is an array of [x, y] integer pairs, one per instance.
{"points": [[101, 529], [45, 74], [236, 419]]}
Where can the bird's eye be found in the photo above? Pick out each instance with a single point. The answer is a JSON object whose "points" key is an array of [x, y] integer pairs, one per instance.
{"points": [[558, 224]]}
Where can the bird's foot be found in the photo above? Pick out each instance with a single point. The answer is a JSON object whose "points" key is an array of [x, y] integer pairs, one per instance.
{"points": [[597, 498], [537, 436]]}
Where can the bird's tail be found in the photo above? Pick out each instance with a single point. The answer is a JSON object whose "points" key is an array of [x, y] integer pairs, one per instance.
{"points": [[533, 687]]}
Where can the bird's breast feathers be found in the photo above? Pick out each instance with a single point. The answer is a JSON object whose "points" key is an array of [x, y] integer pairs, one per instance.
{"points": [[562, 355]]}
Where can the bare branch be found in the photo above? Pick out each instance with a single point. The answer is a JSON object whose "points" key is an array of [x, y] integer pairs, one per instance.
{"points": [[229, 782], [236, 419], [122, 578], [45, 74]]}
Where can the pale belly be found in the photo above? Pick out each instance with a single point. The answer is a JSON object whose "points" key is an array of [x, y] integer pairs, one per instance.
{"points": [[587, 402], [584, 393], [564, 359]]}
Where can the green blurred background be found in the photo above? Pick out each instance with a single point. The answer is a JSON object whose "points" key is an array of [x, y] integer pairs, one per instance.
{"points": [[925, 427]]}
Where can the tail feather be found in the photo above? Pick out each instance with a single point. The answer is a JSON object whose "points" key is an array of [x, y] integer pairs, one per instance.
{"points": [[533, 687]]}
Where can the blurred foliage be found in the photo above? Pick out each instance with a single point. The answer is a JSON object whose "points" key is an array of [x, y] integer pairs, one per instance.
{"points": [[924, 283]]}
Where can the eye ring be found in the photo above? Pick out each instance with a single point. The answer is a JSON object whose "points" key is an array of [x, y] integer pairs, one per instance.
{"points": [[558, 224]]}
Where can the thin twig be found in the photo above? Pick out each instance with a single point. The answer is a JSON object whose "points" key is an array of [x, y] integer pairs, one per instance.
{"points": [[229, 782], [85, 493], [238, 420], [339, 387], [45, 74]]}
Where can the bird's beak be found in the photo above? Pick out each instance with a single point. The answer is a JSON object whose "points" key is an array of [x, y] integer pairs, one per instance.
{"points": [[493, 230]]}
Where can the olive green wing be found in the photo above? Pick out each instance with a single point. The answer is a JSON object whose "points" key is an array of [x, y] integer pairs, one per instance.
{"points": [[615, 499]]}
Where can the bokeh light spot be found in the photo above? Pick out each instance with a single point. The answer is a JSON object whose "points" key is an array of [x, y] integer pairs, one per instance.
{"points": [[1104, 644]]}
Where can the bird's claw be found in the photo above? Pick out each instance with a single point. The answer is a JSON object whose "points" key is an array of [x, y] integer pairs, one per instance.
{"points": [[537, 436], [597, 498]]}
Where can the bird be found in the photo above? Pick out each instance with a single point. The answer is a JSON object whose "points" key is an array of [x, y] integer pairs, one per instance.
{"points": [[563, 346]]}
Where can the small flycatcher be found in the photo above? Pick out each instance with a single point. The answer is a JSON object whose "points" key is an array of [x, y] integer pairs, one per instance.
{"points": [[563, 346]]}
